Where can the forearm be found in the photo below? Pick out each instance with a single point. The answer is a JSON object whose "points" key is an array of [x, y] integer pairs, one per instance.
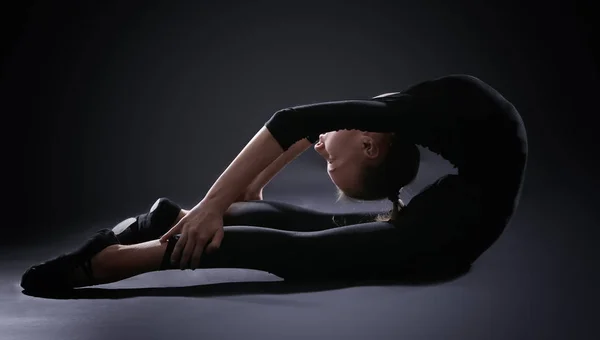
{"points": [[262, 150], [276, 166]]}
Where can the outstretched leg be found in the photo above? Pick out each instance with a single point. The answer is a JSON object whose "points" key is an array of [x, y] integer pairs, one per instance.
{"points": [[360, 250]]}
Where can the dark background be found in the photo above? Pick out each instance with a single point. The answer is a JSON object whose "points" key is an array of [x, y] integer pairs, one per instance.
{"points": [[113, 104], [109, 105]]}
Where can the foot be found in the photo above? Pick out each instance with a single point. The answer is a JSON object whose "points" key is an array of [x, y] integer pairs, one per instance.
{"points": [[82, 267]]}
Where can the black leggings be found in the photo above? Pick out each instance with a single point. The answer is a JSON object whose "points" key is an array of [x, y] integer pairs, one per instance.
{"points": [[439, 229]]}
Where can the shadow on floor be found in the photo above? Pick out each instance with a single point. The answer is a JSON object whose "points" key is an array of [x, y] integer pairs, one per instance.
{"points": [[249, 288]]}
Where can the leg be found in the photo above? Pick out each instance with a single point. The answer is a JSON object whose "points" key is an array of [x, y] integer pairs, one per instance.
{"points": [[354, 251], [83, 267], [87, 266], [122, 261]]}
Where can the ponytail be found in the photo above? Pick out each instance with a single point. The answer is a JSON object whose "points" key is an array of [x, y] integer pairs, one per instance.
{"points": [[397, 206]]}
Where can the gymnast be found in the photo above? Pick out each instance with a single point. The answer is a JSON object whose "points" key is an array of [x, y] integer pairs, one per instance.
{"points": [[370, 146]]}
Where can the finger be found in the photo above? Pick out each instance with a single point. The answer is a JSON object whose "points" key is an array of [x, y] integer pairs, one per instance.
{"points": [[176, 255], [215, 243], [188, 249], [197, 253]]}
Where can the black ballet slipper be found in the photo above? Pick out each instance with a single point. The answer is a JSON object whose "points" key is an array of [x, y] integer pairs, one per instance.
{"points": [[149, 226], [65, 271]]}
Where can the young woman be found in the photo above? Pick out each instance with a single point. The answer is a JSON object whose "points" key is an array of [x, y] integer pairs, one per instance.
{"points": [[370, 148]]}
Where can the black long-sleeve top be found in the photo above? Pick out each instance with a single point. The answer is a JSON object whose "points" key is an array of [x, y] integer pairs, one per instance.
{"points": [[459, 117]]}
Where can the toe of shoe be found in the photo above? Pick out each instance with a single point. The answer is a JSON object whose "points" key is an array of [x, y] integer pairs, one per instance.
{"points": [[42, 277], [29, 280]]}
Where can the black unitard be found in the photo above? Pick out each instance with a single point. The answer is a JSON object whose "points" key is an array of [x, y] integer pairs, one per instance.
{"points": [[449, 223]]}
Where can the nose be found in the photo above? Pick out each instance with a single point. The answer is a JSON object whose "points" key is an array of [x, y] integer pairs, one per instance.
{"points": [[320, 146]]}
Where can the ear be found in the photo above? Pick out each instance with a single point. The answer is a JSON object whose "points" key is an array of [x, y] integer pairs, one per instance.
{"points": [[369, 147]]}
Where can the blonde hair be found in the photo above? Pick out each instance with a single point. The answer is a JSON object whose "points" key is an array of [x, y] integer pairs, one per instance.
{"points": [[391, 216]]}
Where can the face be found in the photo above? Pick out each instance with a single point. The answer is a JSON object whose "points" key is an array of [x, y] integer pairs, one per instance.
{"points": [[347, 152]]}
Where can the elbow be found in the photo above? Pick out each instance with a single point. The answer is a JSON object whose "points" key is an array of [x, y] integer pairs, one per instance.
{"points": [[282, 126], [285, 115]]}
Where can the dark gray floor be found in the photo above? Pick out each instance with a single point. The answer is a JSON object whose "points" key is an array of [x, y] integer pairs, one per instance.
{"points": [[537, 282]]}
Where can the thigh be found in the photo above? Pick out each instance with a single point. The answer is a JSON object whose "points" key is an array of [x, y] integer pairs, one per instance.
{"points": [[285, 216]]}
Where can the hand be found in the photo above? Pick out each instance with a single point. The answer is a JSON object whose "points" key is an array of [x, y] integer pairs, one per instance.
{"points": [[199, 227]]}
